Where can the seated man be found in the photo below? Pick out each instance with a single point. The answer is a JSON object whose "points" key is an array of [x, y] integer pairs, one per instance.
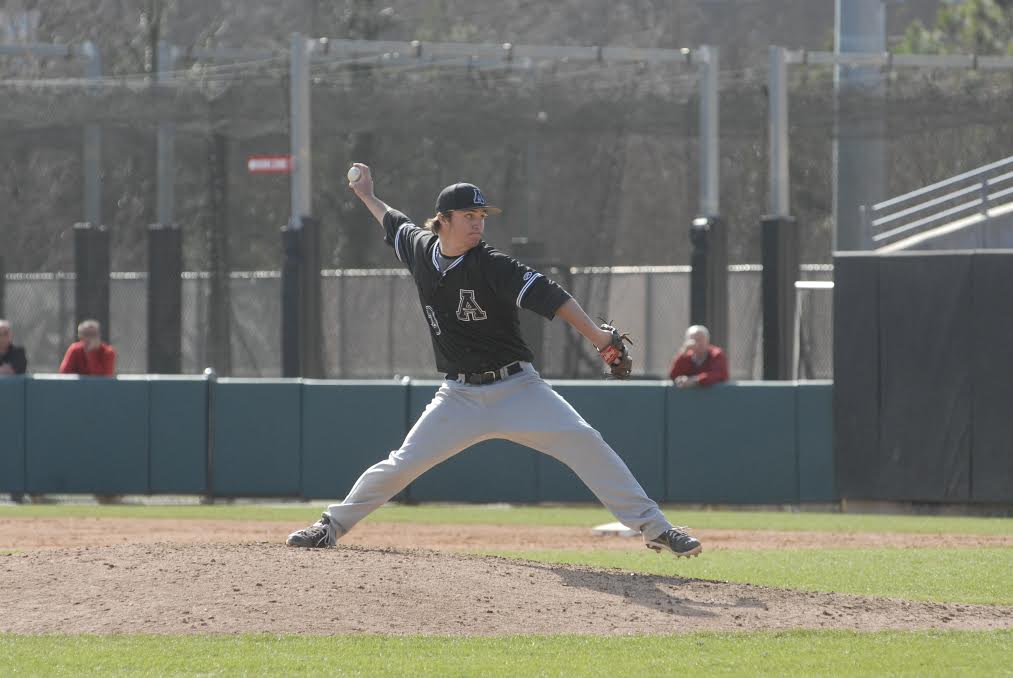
{"points": [[12, 358], [699, 363], [90, 356]]}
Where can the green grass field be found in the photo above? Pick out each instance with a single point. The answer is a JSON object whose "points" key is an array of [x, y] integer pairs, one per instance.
{"points": [[830, 653], [978, 575]]}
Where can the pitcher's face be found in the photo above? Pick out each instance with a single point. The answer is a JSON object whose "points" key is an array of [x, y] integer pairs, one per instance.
{"points": [[462, 230]]}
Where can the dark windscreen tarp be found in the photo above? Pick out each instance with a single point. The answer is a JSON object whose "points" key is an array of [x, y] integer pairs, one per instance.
{"points": [[925, 366], [992, 360], [856, 373]]}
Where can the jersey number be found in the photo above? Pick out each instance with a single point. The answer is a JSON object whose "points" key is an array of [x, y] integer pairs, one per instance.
{"points": [[468, 308]]}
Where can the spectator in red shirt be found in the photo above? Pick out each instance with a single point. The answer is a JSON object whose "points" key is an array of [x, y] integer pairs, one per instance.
{"points": [[699, 363], [90, 356]]}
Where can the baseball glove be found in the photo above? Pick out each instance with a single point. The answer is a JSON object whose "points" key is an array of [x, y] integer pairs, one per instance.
{"points": [[615, 354]]}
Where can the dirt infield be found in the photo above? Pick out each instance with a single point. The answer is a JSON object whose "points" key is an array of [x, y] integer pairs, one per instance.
{"points": [[165, 576], [49, 533]]}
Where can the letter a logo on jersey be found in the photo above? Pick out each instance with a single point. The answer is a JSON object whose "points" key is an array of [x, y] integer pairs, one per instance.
{"points": [[469, 309]]}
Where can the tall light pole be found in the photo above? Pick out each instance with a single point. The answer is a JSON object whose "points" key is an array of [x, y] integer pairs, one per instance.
{"points": [[859, 145]]}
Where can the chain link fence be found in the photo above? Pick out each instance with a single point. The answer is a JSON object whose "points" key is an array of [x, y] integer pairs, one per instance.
{"points": [[595, 163], [373, 328], [814, 337]]}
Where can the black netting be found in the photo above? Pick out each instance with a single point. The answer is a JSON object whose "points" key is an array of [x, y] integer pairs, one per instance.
{"points": [[595, 162]]}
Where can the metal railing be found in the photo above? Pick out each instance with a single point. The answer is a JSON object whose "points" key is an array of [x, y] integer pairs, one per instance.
{"points": [[913, 216]]}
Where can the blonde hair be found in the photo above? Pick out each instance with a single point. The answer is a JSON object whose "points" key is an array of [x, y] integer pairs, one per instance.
{"points": [[434, 223]]}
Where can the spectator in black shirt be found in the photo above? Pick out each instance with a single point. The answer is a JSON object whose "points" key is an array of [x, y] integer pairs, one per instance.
{"points": [[12, 358]]}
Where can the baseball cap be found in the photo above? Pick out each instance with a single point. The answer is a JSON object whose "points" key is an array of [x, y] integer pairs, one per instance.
{"points": [[463, 197]]}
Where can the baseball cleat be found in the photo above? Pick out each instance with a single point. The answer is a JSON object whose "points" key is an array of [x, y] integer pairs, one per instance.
{"points": [[319, 535], [676, 541]]}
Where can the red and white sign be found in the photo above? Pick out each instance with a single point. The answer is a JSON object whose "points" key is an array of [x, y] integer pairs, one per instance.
{"points": [[269, 164]]}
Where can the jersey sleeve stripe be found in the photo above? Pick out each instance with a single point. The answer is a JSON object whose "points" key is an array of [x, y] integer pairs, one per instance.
{"points": [[520, 295], [397, 240]]}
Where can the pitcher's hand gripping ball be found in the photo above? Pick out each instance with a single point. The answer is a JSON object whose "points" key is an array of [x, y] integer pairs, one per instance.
{"points": [[615, 354], [354, 174]]}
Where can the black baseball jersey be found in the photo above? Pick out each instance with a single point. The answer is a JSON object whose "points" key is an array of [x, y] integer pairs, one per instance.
{"points": [[15, 357], [472, 304]]}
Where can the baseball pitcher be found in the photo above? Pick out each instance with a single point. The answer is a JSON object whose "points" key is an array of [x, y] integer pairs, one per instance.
{"points": [[470, 295]]}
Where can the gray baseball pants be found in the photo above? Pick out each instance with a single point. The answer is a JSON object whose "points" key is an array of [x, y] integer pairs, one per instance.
{"points": [[521, 408]]}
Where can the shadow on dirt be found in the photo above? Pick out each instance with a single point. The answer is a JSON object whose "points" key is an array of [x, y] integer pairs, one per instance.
{"points": [[654, 592]]}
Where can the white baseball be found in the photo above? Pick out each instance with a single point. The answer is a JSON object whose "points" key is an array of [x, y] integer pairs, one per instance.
{"points": [[354, 174]]}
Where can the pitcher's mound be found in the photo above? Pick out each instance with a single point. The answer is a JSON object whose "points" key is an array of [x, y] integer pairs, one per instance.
{"points": [[221, 588]]}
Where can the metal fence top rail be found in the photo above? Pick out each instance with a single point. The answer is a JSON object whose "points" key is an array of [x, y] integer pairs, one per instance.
{"points": [[889, 60], [324, 48], [330, 47], [37, 49], [349, 52], [732, 268], [400, 272], [506, 51]]}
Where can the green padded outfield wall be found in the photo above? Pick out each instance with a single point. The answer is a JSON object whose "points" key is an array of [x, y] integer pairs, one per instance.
{"points": [[87, 434], [348, 426], [733, 443], [12, 434], [179, 434], [256, 431], [491, 471], [631, 418], [814, 424]]}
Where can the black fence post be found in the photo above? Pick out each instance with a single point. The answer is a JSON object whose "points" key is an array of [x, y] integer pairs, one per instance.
{"points": [[91, 268], [301, 329], [165, 295], [219, 315], [311, 308], [708, 283], [780, 258], [291, 344]]}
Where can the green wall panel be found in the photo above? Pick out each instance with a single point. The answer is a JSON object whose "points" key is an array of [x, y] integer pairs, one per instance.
{"points": [[631, 418], [12, 434], [179, 434], [87, 434], [732, 443], [256, 427], [348, 426], [814, 426], [493, 470], [750, 442]]}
